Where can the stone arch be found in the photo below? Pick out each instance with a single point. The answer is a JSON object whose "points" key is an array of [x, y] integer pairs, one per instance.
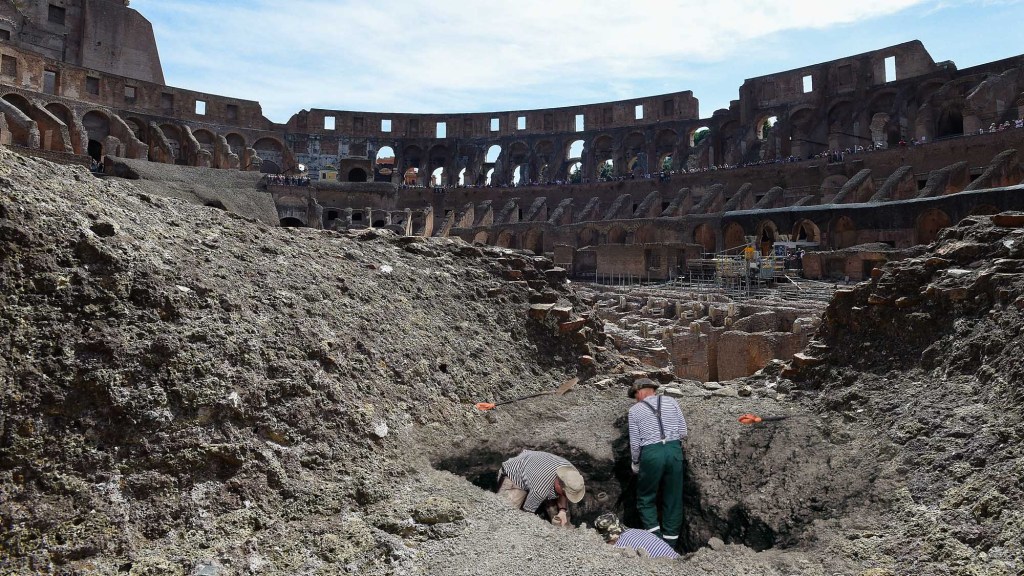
{"points": [[844, 233], [174, 139], [506, 239], [138, 127], [633, 148], [766, 234], [705, 236], [437, 159], [271, 151], [206, 139], [480, 237], [20, 102], [97, 126], [292, 222], [928, 225], [236, 142], [949, 121], [840, 125], [646, 234], [534, 241], [690, 137], [65, 115], [806, 231], [734, 236], [588, 237], [768, 118], [801, 127], [603, 151], [616, 235], [357, 175]]}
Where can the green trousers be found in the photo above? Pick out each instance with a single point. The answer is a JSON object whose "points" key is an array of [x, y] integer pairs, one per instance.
{"points": [[661, 469]]}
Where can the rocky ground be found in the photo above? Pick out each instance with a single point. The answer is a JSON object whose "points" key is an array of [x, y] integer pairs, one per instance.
{"points": [[187, 391]]}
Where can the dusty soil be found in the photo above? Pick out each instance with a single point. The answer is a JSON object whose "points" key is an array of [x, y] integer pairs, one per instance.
{"points": [[187, 391]]}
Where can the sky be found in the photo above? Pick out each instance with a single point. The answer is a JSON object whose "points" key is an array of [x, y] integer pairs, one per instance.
{"points": [[450, 56]]}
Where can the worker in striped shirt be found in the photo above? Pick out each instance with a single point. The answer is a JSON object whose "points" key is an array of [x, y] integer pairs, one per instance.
{"points": [[621, 537], [533, 478], [656, 431]]}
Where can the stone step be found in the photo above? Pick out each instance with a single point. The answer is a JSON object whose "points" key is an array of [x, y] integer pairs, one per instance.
{"points": [[539, 311], [571, 326]]}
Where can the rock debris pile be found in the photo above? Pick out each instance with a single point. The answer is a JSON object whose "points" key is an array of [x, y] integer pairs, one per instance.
{"points": [[187, 391]]}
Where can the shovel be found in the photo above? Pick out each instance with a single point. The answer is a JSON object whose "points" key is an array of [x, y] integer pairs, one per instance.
{"points": [[560, 391]]}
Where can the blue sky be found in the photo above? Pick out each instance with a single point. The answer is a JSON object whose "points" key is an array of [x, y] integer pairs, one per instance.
{"points": [[486, 56]]}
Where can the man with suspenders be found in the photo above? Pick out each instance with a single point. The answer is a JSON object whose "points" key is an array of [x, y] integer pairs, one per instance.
{"points": [[656, 430]]}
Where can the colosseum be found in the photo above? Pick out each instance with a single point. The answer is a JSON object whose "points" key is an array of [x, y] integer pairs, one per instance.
{"points": [[878, 150]]}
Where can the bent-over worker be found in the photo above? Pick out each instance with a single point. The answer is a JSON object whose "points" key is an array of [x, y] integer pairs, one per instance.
{"points": [[621, 537], [533, 478], [656, 430]]}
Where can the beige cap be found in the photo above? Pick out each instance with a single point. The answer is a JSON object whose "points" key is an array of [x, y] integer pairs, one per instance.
{"points": [[572, 483]]}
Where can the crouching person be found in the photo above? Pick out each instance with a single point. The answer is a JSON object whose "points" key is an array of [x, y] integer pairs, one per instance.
{"points": [[534, 478], [621, 537]]}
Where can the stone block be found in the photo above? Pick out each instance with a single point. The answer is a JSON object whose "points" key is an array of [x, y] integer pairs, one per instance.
{"points": [[571, 326], [539, 311], [512, 275], [1008, 220], [562, 313]]}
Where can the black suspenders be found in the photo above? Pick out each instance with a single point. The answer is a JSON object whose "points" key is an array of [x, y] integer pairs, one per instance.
{"points": [[657, 413]]}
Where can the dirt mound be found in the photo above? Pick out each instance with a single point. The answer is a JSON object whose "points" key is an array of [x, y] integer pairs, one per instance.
{"points": [[928, 354], [187, 391], [178, 383]]}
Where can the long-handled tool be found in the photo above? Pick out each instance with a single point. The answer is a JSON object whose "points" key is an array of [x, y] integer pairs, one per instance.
{"points": [[560, 391], [755, 419]]}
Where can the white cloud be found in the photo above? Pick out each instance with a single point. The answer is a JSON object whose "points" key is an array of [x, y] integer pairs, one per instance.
{"points": [[408, 56]]}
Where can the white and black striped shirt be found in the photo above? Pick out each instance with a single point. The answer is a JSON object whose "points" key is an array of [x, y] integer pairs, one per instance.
{"points": [[644, 428], [534, 472], [637, 539]]}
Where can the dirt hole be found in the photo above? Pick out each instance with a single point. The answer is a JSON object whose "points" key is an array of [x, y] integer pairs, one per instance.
{"points": [[611, 487]]}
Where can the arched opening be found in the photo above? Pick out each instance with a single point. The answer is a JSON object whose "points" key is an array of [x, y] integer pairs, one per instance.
{"points": [[844, 233], [215, 204], [411, 176], [205, 139], [765, 126], [806, 231], [705, 237], [272, 153], [576, 173], [950, 123], [462, 177], [767, 233], [236, 143], [291, 223], [929, 223], [575, 150], [517, 175], [480, 238], [734, 236], [97, 125], [380, 223], [20, 102], [357, 175], [437, 177], [636, 158], [699, 135], [384, 164], [665, 162], [534, 242], [616, 235], [490, 175], [95, 150], [173, 136], [645, 234], [604, 150], [606, 170], [506, 239], [493, 153], [587, 237]]}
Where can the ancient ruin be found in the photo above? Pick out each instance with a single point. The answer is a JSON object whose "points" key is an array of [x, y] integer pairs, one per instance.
{"points": [[215, 363]]}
